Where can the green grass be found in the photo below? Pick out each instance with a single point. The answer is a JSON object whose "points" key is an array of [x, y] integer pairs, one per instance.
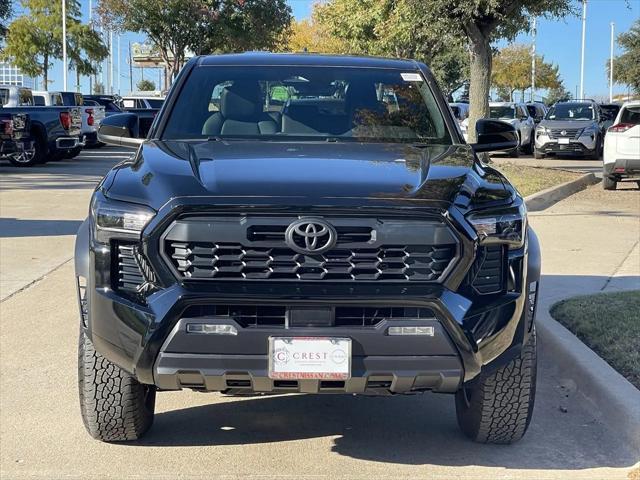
{"points": [[529, 180], [609, 323]]}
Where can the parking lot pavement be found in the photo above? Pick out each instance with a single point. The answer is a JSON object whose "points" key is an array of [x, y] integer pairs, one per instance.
{"points": [[41, 209], [292, 436]]}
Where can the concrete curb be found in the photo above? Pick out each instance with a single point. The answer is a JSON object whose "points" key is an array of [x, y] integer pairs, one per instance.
{"points": [[544, 199], [613, 396]]}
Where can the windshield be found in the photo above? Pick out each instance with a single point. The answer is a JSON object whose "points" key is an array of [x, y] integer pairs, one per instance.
{"points": [[307, 103], [571, 111], [631, 115], [508, 111], [155, 102]]}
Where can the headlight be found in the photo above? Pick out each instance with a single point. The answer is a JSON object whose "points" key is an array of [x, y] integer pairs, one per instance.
{"points": [[504, 225], [111, 218], [541, 130], [589, 130]]}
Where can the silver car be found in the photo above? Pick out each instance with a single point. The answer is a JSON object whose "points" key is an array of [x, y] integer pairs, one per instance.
{"points": [[516, 114], [571, 128]]}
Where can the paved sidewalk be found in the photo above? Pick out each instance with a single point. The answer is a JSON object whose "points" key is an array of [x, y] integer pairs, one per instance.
{"points": [[41, 209], [590, 243]]}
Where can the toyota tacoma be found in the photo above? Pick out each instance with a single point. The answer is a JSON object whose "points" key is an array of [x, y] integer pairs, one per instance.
{"points": [[310, 224]]}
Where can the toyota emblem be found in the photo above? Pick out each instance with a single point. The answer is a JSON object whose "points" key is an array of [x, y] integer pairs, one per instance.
{"points": [[311, 236]]}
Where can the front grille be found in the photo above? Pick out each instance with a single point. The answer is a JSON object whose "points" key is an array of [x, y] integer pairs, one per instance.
{"points": [[134, 274], [568, 132], [487, 273], [371, 316], [254, 316], [227, 261]]}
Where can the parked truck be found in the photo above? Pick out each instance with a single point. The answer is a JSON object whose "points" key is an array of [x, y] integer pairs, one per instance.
{"points": [[55, 130], [16, 143]]}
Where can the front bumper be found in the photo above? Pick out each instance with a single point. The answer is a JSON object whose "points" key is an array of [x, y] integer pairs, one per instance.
{"points": [[148, 338], [583, 145]]}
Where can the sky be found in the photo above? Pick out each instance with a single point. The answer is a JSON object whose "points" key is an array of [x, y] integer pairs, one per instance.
{"points": [[558, 40]]}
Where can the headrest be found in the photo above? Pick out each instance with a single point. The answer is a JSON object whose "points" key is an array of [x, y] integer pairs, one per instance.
{"points": [[241, 101], [362, 95]]}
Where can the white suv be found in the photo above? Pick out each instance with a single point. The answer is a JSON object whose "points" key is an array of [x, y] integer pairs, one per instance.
{"points": [[621, 159], [517, 115]]}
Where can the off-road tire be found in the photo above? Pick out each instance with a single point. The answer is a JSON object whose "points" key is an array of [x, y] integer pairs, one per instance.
{"points": [[609, 184], [497, 407], [115, 407]]}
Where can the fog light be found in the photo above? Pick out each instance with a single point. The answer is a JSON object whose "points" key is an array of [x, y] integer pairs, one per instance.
{"points": [[213, 329], [428, 331]]}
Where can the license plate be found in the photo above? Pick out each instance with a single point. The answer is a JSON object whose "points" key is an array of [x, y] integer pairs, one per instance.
{"points": [[563, 141], [309, 358]]}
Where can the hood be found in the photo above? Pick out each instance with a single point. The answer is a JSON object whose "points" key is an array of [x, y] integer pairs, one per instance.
{"points": [[304, 174], [566, 123]]}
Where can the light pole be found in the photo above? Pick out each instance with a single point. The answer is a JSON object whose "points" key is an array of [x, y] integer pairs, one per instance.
{"points": [[64, 46], [111, 62], [584, 29], [533, 61], [119, 74], [611, 65]]}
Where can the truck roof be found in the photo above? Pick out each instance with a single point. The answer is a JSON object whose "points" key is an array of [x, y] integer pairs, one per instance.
{"points": [[305, 59]]}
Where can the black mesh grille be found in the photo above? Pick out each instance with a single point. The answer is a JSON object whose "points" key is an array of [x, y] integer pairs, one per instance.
{"points": [[487, 273], [251, 316], [235, 261]]}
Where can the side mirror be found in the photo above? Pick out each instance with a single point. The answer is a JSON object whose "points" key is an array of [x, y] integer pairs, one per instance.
{"points": [[121, 130], [494, 135]]}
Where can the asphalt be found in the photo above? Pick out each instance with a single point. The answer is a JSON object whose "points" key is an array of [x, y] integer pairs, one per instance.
{"points": [[589, 239]]}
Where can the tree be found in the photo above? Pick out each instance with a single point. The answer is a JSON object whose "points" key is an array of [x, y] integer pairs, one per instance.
{"points": [[241, 25], [559, 94], [395, 28], [202, 26], [145, 85], [626, 67], [34, 40], [86, 49], [98, 88], [170, 24], [309, 35], [512, 72], [482, 22], [5, 14]]}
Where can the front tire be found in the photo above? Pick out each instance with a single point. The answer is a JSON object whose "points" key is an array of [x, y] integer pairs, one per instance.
{"points": [[497, 407], [115, 407]]}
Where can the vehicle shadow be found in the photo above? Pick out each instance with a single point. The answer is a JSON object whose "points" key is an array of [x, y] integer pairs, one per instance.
{"points": [[409, 430], [14, 227]]}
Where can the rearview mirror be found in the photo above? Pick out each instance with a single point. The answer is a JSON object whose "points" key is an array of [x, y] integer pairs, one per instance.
{"points": [[494, 135], [121, 130]]}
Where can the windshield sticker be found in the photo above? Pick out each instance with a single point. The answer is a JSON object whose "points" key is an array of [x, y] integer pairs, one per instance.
{"points": [[411, 77]]}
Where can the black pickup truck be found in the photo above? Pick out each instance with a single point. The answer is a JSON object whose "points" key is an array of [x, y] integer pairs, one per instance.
{"points": [[311, 224], [16, 143]]}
